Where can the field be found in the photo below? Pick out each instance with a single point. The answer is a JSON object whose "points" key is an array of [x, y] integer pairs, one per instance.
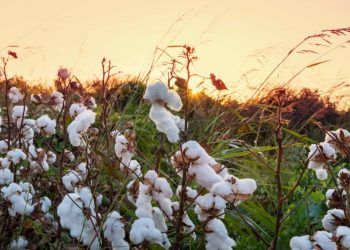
{"points": [[145, 164]]}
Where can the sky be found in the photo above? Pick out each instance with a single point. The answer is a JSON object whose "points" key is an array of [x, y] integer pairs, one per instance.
{"points": [[240, 41]]}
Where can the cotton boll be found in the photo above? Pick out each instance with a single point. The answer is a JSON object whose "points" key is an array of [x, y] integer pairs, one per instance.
{"points": [[84, 120], [21, 200], [321, 174], [5, 162], [338, 138], [144, 229], [70, 155], [14, 95], [159, 91], [204, 175], [329, 221], [90, 102], [343, 234], [300, 243], [217, 236], [19, 244], [46, 125], [161, 191], [132, 191], [80, 124], [210, 205], [122, 149], [73, 218], [159, 220], [190, 193], [51, 157], [113, 230], [246, 186], [164, 122], [57, 101], [70, 180], [3, 146], [144, 202], [324, 240], [195, 153], [82, 170], [25, 122], [75, 109], [16, 155], [6, 176], [45, 203], [27, 135], [135, 169], [18, 112]]}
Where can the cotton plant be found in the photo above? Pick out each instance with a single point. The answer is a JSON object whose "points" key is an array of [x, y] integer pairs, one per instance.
{"points": [[336, 233], [222, 188], [161, 98]]}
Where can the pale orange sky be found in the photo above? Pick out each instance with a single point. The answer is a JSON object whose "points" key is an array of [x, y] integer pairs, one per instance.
{"points": [[231, 37]]}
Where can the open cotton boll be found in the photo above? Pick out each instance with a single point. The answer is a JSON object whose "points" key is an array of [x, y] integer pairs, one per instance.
{"points": [[321, 174], [165, 122], [16, 155], [159, 92], [324, 240], [45, 203], [204, 175], [82, 170], [114, 232], [27, 135], [217, 236], [190, 193], [246, 186], [134, 168], [195, 153], [70, 180], [51, 157], [80, 124], [75, 109], [6, 176], [122, 149], [144, 230], [320, 154], [159, 220], [18, 112], [46, 125], [144, 203], [209, 205], [161, 191], [72, 218], [300, 243], [90, 102], [19, 244], [331, 220], [343, 234], [21, 201], [57, 101], [3, 146], [14, 95], [337, 138], [20, 123], [69, 155], [5, 162]]}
